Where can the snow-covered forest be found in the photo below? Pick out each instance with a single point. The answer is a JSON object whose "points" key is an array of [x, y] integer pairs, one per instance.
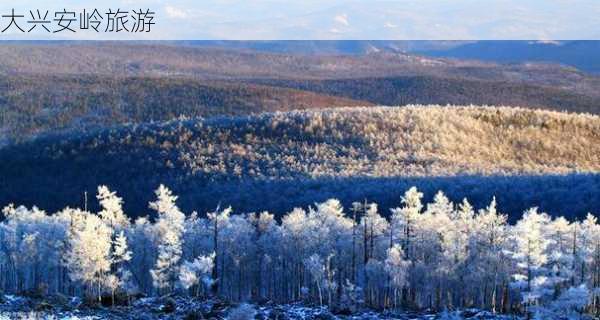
{"points": [[440, 255], [276, 161]]}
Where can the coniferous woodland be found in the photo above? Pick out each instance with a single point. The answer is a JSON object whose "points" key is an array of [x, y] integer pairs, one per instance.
{"points": [[440, 255]]}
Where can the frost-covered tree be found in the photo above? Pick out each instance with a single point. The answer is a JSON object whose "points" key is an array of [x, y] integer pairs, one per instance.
{"points": [[397, 268], [169, 228], [316, 267], [373, 228], [549, 267], [459, 230], [121, 256], [590, 266], [32, 247], [112, 209], [89, 255], [142, 240], [531, 255], [562, 252], [268, 234], [406, 217], [194, 273], [487, 258], [219, 220], [238, 243], [570, 304]]}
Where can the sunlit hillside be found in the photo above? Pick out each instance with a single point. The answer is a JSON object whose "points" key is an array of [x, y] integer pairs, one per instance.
{"points": [[310, 155]]}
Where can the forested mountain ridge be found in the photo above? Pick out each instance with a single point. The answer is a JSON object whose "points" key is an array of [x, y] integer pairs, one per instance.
{"points": [[310, 155], [56, 87], [451, 90], [34, 105], [122, 59]]}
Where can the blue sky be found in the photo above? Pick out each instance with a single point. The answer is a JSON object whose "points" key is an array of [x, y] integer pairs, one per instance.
{"points": [[337, 19]]}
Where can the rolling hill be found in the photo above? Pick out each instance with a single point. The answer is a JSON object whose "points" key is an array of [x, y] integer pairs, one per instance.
{"points": [[48, 87], [275, 161]]}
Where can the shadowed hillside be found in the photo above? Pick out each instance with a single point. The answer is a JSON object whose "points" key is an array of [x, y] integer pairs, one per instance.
{"points": [[38, 104], [454, 91], [257, 162]]}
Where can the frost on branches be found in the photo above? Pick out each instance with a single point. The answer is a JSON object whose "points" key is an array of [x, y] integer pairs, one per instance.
{"points": [[169, 228], [438, 256]]}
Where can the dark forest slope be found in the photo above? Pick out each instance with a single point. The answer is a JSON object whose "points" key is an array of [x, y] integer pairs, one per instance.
{"points": [[32, 105], [451, 90]]}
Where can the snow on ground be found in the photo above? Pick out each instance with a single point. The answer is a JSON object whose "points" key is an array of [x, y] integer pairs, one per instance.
{"points": [[13, 307]]}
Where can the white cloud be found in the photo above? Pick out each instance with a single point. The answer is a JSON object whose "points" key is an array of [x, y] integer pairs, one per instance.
{"points": [[390, 25], [342, 19], [173, 12]]}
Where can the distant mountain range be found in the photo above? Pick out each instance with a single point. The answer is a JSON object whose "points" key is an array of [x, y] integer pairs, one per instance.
{"points": [[327, 47], [584, 55]]}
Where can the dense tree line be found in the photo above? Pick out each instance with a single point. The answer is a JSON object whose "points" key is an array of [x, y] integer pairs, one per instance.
{"points": [[429, 89], [439, 255], [32, 105]]}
